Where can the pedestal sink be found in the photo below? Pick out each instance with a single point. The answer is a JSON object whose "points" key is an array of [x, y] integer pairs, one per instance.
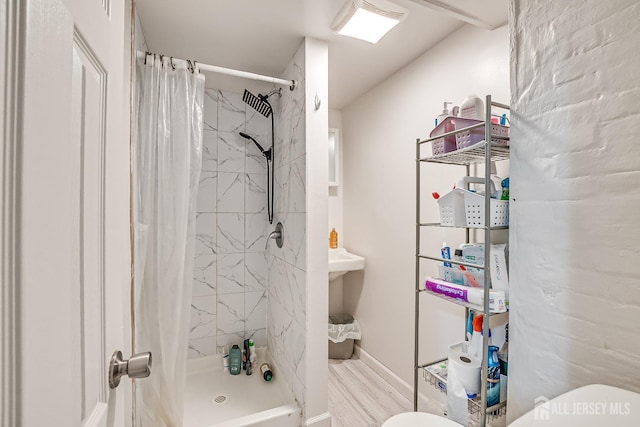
{"points": [[341, 262]]}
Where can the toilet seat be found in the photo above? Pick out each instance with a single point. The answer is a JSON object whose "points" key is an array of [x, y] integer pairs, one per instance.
{"points": [[418, 419]]}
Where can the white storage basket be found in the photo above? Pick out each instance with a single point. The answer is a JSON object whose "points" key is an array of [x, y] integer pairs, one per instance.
{"points": [[474, 210], [452, 212]]}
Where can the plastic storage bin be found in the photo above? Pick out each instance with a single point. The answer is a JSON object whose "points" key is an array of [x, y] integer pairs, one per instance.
{"points": [[473, 136], [447, 143], [343, 330], [474, 210], [451, 206]]}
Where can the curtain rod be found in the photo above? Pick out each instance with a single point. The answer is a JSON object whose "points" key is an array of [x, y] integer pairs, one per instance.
{"points": [[231, 72]]}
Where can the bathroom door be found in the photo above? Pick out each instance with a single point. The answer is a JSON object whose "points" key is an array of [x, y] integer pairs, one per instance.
{"points": [[73, 226]]}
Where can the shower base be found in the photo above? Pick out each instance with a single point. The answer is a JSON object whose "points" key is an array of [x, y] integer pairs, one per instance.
{"points": [[214, 398]]}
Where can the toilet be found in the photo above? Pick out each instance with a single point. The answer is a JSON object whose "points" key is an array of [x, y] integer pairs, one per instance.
{"points": [[418, 419]]}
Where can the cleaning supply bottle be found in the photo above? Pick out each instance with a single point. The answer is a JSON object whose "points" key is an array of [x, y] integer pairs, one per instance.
{"points": [[475, 346], [333, 239], [503, 357], [472, 108], [469, 322], [505, 189], [235, 360], [265, 369], [493, 379], [497, 181]]}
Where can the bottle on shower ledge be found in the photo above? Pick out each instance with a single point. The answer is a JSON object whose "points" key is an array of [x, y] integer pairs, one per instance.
{"points": [[235, 360], [265, 369], [333, 239], [225, 359], [253, 355]]}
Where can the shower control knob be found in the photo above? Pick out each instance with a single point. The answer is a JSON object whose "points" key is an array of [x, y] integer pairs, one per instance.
{"points": [[138, 366]]}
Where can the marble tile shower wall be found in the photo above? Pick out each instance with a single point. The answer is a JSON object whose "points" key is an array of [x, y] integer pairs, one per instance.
{"points": [[286, 313], [229, 300]]}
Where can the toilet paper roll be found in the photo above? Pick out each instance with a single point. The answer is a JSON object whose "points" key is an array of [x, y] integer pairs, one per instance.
{"points": [[467, 370]]}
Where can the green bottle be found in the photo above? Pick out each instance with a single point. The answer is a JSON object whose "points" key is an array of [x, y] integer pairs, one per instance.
{"points": [[235, 360]]}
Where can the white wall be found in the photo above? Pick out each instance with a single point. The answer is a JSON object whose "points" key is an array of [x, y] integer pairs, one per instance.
{"points": [[335, 193], [286, 266], [380, 131], [576, 166], [317, 152], [336, 214]]}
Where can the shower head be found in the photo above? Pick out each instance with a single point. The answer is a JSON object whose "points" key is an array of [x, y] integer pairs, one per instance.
{"points": [[266, 153], [258, 103]]}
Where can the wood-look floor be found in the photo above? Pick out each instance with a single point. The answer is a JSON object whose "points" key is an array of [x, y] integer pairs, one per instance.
{"points": [[358, 397]]}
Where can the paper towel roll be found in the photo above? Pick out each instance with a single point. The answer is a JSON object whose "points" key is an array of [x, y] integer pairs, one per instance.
{"points": [[467, 370]]}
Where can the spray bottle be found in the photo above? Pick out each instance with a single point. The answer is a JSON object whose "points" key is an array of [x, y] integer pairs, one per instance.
{"points": [[475, 346], [493, 378]]}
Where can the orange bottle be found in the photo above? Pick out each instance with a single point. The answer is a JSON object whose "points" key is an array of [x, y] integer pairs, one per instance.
{"points": [[333, 239]]}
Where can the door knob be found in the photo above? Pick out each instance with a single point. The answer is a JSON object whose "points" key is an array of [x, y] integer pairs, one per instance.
{"points": [[138, 366]]}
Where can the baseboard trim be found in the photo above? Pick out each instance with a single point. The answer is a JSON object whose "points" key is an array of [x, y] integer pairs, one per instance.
{"points": [[387, 374], [322, 420], [398, 383]]}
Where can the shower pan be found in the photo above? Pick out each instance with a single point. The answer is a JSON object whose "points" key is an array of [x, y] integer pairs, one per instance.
{"points": [[261, 104]]}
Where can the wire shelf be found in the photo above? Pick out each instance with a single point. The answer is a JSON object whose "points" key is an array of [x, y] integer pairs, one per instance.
{"points": [[470, 155], [437, 224], [436, 375]]}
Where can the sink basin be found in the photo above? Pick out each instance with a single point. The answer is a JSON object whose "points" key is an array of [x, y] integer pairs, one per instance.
{"points": [[341, 262]]}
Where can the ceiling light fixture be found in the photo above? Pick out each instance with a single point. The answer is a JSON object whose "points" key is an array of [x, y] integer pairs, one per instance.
{"points": [[368, 20]]}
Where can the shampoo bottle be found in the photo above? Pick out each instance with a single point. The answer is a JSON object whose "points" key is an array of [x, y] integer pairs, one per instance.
{"points": [[235, 360], [333, 239]]}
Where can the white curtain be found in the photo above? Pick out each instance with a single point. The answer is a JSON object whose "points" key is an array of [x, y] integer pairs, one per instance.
{"points": [[167, 163]]}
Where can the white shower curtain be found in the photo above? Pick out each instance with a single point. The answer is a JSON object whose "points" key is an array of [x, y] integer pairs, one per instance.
{"points": [[166, 170]]}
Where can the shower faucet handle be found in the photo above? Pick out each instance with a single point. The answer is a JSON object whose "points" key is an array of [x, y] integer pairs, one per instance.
{"points": [[277, 234]]}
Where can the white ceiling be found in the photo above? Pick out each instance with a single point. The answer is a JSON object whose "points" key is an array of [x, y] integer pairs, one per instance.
{"points": [[261, 36]]}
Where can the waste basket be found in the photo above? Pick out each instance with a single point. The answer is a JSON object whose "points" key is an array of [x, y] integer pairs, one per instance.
{"points": [[343, 330]]}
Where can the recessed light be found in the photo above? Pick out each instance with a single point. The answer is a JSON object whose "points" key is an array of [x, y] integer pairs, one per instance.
{"points": [[368, 20]]}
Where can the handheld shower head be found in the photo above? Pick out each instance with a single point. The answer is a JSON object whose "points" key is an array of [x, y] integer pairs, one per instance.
{"points": [[266, 153]]}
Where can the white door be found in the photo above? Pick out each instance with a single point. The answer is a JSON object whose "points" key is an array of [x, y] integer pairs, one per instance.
{"points": [[74, 246]]}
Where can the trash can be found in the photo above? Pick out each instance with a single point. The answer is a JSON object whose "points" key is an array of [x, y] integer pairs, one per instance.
{"points": [[343, 329]]}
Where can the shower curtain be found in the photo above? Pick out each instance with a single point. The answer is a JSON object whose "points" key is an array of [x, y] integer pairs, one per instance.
{"points": [[166, 170]]}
